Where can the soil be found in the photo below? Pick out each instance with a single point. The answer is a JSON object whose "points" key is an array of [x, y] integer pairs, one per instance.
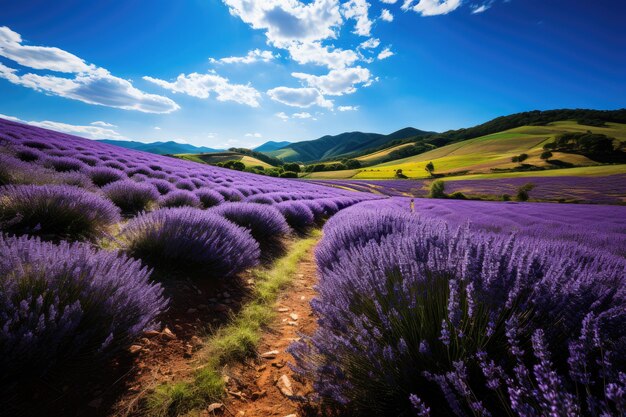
{"points": [[254, 386]]}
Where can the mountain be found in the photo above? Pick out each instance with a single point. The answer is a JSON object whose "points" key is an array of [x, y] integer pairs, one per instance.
{"points": [[161, 148], [271, 146], [329, 147]]}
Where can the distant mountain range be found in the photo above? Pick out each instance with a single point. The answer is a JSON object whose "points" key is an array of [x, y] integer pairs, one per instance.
{"points": [[329, 147], [161, 148], [271, 146]]}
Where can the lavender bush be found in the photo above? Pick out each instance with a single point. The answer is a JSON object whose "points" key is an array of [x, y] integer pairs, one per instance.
{"points": [[67, 303], [103, 175], [298, 215], [190, 240], [180, 198], [266, 224], [209, 198], [130, 196], [419, 320], [55, 211]]}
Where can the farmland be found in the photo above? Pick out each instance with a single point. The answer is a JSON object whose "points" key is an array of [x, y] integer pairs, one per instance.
{"points": [[151, 285]]}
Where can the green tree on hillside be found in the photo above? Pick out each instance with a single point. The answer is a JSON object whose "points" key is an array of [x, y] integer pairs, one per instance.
{"points": [[546, 155], [430, 168], [292, 167]]}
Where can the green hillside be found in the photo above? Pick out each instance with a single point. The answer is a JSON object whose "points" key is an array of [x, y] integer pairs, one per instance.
{"points": [[329, 147], [214, 158], [490, 154]]}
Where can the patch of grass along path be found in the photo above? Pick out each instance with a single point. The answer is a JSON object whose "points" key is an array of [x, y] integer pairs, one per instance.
{"points": [[235, 341]]}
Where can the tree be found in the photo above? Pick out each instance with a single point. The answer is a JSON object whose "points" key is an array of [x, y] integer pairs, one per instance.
{"points": [[522, 157], [522, 192], [430, 168], [437, 189], [352, 164], [546, 155], [293, 167], [289, 174], [515, 159], [399, 174]]}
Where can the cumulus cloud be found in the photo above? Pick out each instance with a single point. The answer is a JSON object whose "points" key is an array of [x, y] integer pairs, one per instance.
{"points": [[202, 85], [358, 10], [385, 53], [348, 108], [282, 115], [254, 135], [336, 82], [371, 43], [302, 115], [386, 15], [315, 53], [256, 55], [92, 132], [285, 21], [91, 84], [299, 97], [432, 7], [389, 1]]}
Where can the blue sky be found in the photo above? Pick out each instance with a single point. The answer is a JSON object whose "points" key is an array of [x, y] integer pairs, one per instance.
{"points": [[241, 72]]}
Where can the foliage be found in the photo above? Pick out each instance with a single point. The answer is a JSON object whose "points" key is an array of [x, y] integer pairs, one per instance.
{"points": [[55, 211], [68, 302], [191, 240], [430, 168], [298, 215], [130, 196], [209, 198], [289, 174], [522, 192], [292, 167], [437, 189], [180, 198], [463, 323]]}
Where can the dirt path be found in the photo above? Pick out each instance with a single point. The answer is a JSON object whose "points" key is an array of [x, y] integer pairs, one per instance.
{"points": [[255, 386]]}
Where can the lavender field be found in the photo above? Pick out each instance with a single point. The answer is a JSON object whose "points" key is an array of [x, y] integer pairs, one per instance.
{"points": [[609, 189], [424, 307]]}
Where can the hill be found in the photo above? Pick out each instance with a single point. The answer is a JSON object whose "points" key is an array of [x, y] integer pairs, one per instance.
{"points": [[160, 148], [329, 147], [489, 154], [216, 157], [271, 146]]}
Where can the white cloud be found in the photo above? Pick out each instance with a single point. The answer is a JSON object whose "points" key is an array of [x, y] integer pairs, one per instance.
{"points": [[201, 85], [385, 53], [386, 15], [254, 135], [389, 1], [91, 84], [211, 135], [476, 9], [302, 115], [39, 57], [315, 53], [358, 10], [92, 132], [299, 97], [102, 124], [336, 82], [157, 128], [432, 7], [285, 21], [348, 108], [371, 43], [282, 115], [251, 57]]}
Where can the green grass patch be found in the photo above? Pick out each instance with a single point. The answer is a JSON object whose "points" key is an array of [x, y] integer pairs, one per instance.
{"points": [[235, 341]]}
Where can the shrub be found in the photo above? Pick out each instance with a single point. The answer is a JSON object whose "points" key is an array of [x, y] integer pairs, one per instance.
{"points": [[28, 155], [55, 211], [186, 185], [260, 199], [289, 174], [102, 176], [180, 198], [209, 198], [68, 303], [130, 196], [437, 189], [162, 186], [230, 194], [467, 324], [192, 240], [457, 195], [266, 224], [63, 163], [546, 155], [522, 192], [298, 215]]}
